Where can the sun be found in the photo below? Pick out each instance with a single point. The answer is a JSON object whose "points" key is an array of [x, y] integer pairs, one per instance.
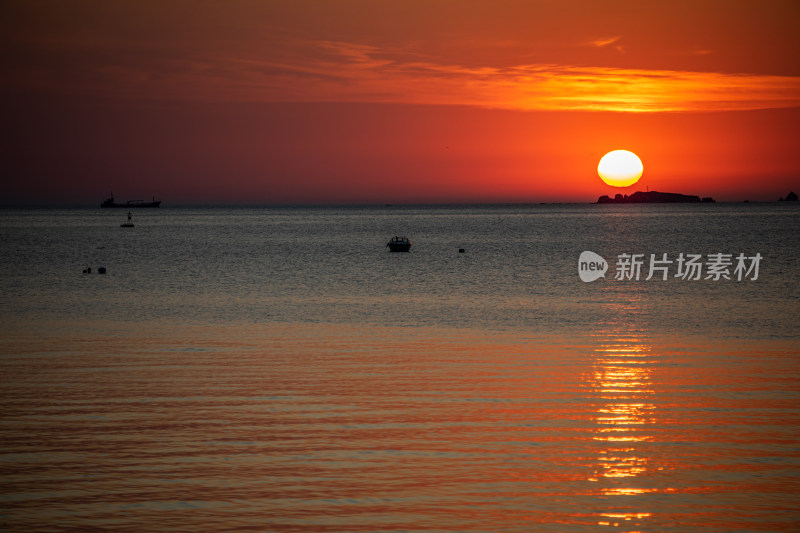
{"points": [[620, 168]]}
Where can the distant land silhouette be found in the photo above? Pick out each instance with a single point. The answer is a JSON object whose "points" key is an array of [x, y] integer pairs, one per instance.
{"points": [[653, 197], [791, 197]]}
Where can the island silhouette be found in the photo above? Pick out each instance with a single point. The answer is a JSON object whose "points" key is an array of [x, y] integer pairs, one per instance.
{"points": [[653, 197]]}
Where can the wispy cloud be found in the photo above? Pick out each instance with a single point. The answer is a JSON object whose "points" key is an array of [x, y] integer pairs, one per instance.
{"points": [[601, 43], [358, 73], [332, 71]]}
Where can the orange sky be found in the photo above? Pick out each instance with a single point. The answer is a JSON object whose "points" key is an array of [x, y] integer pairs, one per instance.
{"points": [[359, 101]]}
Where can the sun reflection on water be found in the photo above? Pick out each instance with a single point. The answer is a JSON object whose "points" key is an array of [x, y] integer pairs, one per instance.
{"points": [[622, 383]]}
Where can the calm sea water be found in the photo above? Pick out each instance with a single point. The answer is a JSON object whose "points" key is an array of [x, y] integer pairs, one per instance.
{"points": [[276, 369]]}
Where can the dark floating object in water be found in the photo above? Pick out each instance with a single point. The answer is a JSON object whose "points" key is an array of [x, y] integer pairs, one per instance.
{"points": [[461, 250], [101, 270], [399, 244], [87, 270], [129, 223]]}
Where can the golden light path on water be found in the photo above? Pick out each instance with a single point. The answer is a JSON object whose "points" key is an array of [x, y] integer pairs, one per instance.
{"points": [[622, 380]]}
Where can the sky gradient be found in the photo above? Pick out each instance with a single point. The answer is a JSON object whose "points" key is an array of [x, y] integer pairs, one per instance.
{"points": [[357, 101]]}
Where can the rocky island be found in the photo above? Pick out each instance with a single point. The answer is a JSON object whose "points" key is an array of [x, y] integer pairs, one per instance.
{"points": [[652, 197]]}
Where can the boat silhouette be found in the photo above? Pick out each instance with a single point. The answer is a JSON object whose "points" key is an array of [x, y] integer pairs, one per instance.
{"points": [[399, 244], [109, 202]]}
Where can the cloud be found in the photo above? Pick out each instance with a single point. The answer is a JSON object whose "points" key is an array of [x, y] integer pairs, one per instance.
{"points": [[601, 43], [347, 72], [338, 71]]}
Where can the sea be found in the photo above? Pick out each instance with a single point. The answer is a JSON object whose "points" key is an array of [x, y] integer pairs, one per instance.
{"points": [[524, 368]]}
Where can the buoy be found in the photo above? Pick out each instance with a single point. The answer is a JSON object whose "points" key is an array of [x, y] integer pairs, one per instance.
{"points": [[461, 250], [129, 223], [101, 270]]}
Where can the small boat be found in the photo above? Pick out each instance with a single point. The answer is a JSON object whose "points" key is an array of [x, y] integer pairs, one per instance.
{"points": [[129, 223], [109, 202], [399, 244]]}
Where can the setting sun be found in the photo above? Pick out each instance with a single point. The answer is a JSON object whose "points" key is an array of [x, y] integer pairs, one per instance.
{"points": [[620, 168]]}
